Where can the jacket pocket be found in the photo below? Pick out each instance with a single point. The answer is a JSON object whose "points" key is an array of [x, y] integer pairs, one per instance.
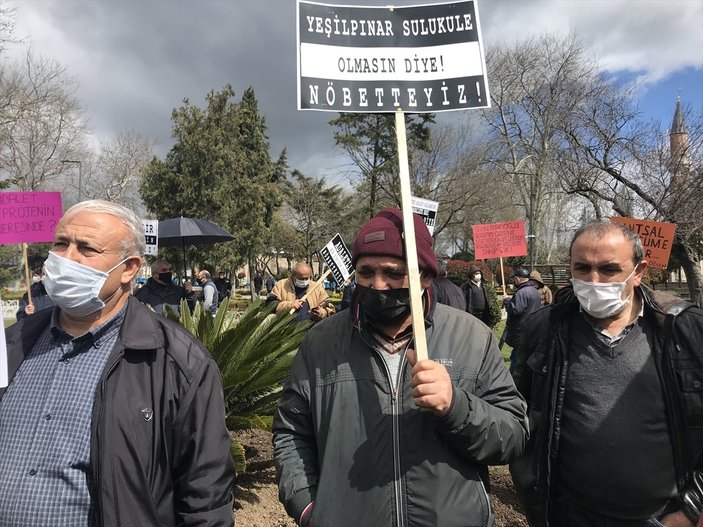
{"points": [[690, 383]]}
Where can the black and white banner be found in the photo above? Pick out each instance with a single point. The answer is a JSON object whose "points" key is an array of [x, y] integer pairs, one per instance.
{"points": [[151, 237], [418, 59], [428, 210], [338, 259]]}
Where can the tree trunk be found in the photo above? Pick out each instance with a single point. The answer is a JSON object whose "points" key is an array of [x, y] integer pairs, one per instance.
{"points": [[254, 295], [690, 262]]}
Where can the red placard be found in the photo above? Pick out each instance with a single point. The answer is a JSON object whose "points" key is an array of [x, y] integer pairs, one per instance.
{"points": [[657, 238], [496, 240], [29, 217]]}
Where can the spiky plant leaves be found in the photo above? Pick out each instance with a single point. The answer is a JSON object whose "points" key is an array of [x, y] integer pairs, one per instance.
{"points": [[236, 449], [254, 356]]}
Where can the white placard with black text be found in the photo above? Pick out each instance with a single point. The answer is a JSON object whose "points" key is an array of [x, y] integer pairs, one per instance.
{"points": [[338, 259], [428, 210], [151, 236]]}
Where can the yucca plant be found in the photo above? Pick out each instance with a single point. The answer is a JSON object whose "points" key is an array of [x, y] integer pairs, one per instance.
{"points": [[254, 356]]}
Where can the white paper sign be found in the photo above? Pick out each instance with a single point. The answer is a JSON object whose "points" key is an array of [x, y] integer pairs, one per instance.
{"points": [[151, 235], [428, 210], [3, 352]]}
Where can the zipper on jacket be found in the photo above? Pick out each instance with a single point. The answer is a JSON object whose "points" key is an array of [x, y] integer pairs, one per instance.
{"points": [[395, 414], [98, 512]]}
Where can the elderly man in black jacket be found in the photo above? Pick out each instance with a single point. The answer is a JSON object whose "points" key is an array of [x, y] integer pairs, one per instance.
{"points": [[114, 416], [613, 374], [159, 290], [445, 291]]}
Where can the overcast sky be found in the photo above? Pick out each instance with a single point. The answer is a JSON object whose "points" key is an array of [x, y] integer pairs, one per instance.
{"points": [[136, 60]]}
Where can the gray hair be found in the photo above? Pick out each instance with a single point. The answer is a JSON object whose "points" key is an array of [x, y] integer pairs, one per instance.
{"points": [[441, 266], [133, 245], [205, 273], [598, 229], [158, 263]]}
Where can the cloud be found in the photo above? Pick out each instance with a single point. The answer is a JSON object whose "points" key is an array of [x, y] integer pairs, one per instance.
{"points": [[137, 61]]}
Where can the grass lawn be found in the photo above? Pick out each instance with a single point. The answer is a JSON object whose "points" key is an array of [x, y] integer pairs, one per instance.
{"points": [[498, 331]]}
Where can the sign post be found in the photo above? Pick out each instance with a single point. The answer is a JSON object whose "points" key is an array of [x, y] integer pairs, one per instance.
{"points": [[419, 59]]}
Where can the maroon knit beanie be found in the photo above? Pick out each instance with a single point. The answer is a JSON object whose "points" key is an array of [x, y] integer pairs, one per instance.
{"points": [[381, 236]]}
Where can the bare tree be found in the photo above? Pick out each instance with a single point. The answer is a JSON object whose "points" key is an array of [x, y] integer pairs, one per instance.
{"points": [[535, 85], [41, 122], [117, 173]]}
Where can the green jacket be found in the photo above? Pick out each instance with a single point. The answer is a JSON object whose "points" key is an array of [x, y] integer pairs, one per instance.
{"points": [[367, 455]]}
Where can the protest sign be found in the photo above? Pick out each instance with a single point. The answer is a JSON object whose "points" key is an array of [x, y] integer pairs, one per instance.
{"points": [[3, 352], [338, 259], [151, 237], [29, 217], [426, 58], [657, 238], [428, 210], [498, 240]]}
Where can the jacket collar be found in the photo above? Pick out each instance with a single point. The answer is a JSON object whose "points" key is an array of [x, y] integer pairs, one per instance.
{"points": [[141, 327]]}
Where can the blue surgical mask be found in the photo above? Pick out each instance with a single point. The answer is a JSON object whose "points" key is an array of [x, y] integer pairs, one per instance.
{"points": [[74, 287]]}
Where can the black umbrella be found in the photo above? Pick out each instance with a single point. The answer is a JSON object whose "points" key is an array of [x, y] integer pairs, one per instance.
{"points": [[182, 231]]}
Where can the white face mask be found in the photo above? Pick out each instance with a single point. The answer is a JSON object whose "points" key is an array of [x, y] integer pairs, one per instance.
{"points": [[36, 279], [301, 283], [602, 299], [74, 287], [477, 277]]}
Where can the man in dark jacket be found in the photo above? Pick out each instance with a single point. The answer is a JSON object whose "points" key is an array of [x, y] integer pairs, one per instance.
{"points": [[525, 300], [445, 291], [612, 372], [476, 296], [365, 434], [159, 290], [224, 287], [114, 416], [40, 300]]}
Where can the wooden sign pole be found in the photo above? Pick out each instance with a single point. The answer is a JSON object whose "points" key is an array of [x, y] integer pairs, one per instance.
{"points": [[502, 275], [27, 282], [313, 287], [416, 308]]}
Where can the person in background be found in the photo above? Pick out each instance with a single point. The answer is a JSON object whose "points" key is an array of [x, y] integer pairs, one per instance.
{"points": [[347, 294], [269, 283], [224, 287], [209, 294], [160, 290], [258, 284], [40, 300], [191, 297], [445, 291], [525, 300], [114, 415], [365, 434], [476, 295], [289, 294], [612, 375], [544, 291]]}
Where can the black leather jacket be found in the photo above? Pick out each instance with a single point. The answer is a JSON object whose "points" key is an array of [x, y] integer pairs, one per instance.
{"points": [[173, 468], [540, 375]]}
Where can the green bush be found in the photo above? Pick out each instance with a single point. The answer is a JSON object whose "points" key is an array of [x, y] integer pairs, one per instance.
{"points": [[254, 354]]}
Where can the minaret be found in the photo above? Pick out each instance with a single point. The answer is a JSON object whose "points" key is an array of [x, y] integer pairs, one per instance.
{"points": [[679, 160]]}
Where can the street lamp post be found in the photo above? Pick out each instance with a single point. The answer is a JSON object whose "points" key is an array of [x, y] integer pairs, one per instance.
{"points": [[80, 176], [531, 237]]}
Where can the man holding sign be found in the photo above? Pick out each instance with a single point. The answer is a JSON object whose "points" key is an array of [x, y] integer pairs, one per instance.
{"points": [[613, 373], [364, 433], [296, 293]]}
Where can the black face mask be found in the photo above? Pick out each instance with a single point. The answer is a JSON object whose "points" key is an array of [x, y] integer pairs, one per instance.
{"points": [[384, 308], [165, 277]]}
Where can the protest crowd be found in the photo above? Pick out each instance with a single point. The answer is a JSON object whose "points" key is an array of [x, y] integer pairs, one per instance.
{"points": [[397, 382]]}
